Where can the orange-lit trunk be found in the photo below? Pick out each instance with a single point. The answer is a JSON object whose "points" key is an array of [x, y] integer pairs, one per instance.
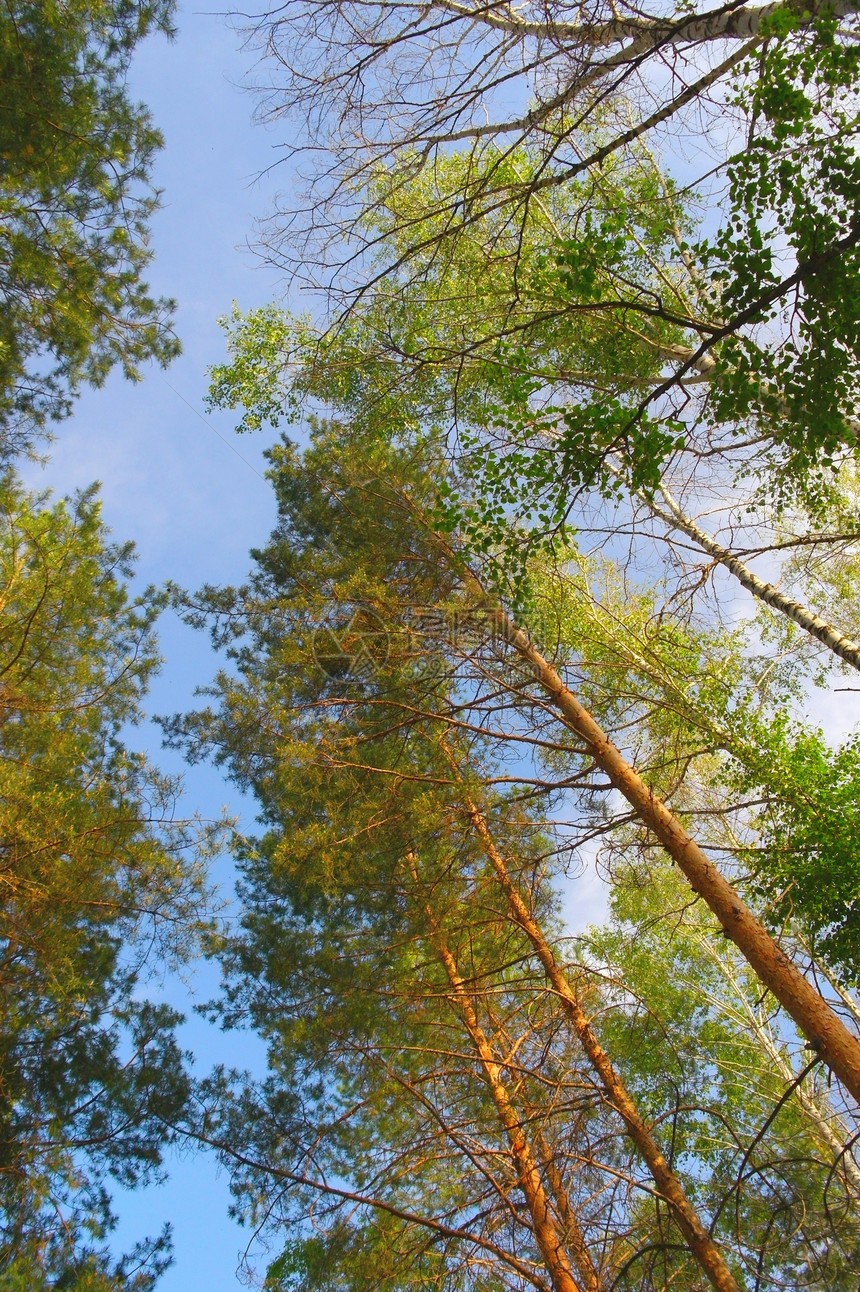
{"points": [[827, 1034], [546, 1234], [699, 1241]]}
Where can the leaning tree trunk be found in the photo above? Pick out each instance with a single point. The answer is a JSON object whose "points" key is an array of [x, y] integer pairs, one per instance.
{"points": [[546, 1233], [573, 1236], [826, 1033], [701, 1244], [845, 647]]}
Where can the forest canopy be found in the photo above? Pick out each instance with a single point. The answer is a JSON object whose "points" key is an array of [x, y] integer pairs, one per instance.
{"points": [[557, 389], [565, 559]]}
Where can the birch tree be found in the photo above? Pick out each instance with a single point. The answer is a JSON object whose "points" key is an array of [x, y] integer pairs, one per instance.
{"points": [[530, 104], [678, 991]]}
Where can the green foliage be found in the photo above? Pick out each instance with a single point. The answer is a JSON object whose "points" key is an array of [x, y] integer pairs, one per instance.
{"points": [[374, 1083], [89, 1270], [794, 207], [75, 203], [529, 394], [681, 992], [261, 346], [585, 338], [697, 693], [97, 880], [705, 719], [359, 1257], [808, 868], [333, 963], [509, 364]]}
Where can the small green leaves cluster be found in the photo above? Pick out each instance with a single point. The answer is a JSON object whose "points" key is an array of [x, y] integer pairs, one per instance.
{"points": [[266, 348], [787, 259], [808, 869]]}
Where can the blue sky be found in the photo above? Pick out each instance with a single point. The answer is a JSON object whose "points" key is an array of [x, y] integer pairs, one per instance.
{"points": [[190, 504]]}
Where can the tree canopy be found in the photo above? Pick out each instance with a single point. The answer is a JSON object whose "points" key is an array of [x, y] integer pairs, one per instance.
{"points": [[362, 652], [590, 336], [101, 884], [76, 198]]}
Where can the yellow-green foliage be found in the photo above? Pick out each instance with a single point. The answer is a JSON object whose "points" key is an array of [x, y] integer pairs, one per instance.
{"points": [[95, 878]]}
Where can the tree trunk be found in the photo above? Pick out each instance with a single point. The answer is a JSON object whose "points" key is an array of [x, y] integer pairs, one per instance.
{"points": [[699, 1241], [815, 1107], [845, 647], [543, 1226], [573, 1235], [826, 1033]]}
